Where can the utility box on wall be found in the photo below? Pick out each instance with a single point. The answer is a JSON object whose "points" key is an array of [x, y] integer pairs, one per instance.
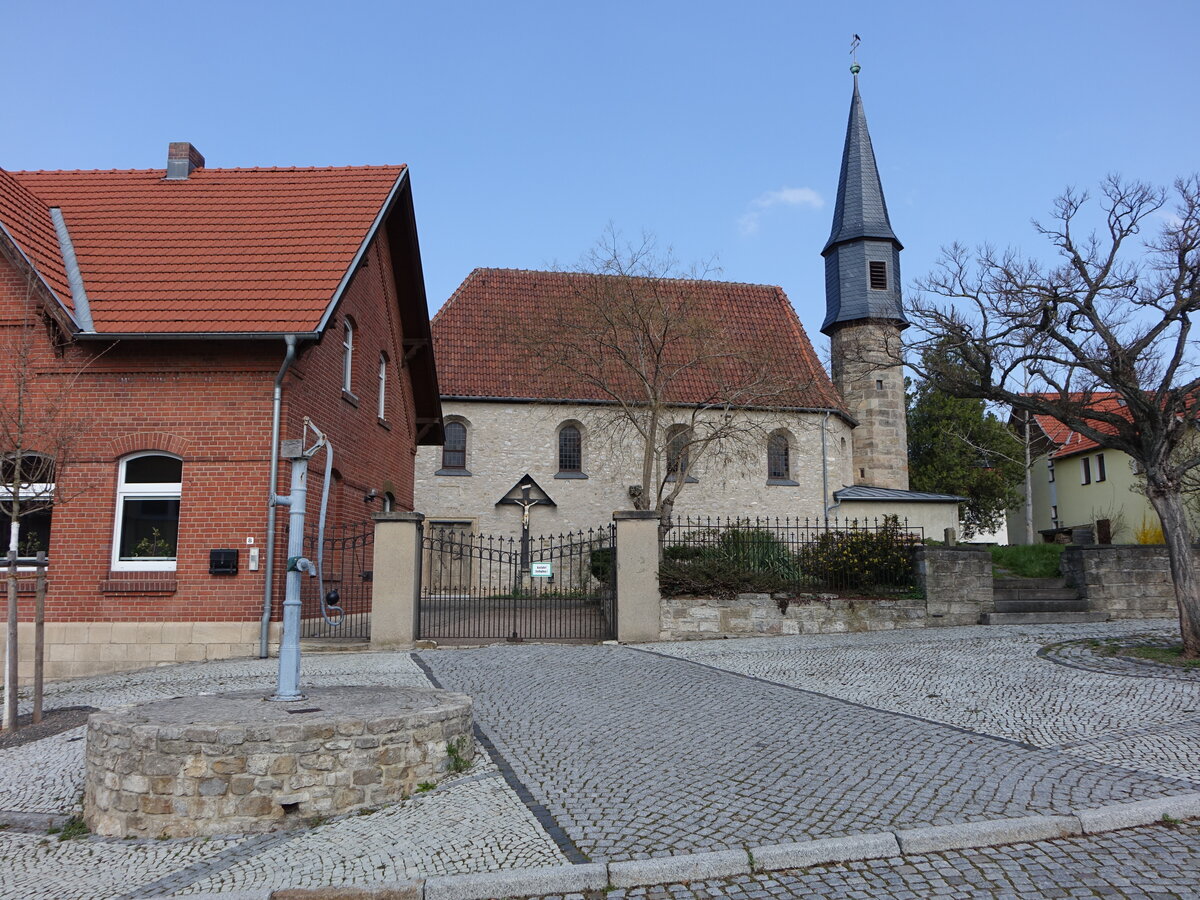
{"points": [[222, 562]]}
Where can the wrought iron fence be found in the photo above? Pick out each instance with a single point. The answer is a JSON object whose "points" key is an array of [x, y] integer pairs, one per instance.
{"points": [[553, 587], [347, 569], [707, 555]]}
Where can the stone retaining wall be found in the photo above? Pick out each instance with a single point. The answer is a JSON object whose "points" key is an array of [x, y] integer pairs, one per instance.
{"points": [[1126, 581], [234, 763], [957, 583], [690, 618], [957, 586]]}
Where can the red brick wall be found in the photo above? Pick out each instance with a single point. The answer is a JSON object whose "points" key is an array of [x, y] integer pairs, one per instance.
{"points": [[209, 403]]}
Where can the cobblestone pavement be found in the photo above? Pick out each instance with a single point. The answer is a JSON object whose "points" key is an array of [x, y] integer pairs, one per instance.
{"points": [[636, 754], [989, 679], [1152, 862], [471, 823]]}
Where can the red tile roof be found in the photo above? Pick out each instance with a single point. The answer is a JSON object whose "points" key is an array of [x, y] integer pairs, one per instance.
{"points": [[482, 338], [225, 250], [1069, 442], [27, 220]]}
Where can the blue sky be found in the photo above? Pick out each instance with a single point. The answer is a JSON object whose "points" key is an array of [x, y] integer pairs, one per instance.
{"points": [[531, 126]]}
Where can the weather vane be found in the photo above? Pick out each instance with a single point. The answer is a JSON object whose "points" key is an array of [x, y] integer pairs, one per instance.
{"points": [[855, 68]]}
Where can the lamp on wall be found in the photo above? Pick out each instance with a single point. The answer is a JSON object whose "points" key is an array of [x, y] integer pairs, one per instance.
{"points": [[371, 496]]}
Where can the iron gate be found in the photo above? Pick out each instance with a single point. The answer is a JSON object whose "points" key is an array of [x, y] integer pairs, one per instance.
{"points": [[346, 568], [486, 587]]}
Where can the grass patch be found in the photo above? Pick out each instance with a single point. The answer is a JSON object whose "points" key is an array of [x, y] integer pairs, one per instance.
{"points": [[1172, 656], [1028, 560], [71, 829], [455, 750]]}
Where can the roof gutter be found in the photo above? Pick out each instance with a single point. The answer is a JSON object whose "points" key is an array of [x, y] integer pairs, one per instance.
{"points": [[198, 335], [79, 297], [269, 566], [842, 414]]}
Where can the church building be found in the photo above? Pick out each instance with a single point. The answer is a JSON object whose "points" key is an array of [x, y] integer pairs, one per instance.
{"points": [[522, 417]]}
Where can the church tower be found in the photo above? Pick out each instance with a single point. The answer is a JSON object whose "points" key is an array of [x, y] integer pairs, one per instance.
{"points": [[864, 317]]}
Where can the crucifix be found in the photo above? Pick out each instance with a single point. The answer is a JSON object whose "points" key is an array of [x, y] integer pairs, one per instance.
{"points": [[854, 66], [526, 503]]}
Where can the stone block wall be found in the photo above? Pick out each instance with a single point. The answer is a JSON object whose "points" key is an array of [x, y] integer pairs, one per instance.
{"points": [[750, 615], [957, 583], [232, 763], [1127, 582]]}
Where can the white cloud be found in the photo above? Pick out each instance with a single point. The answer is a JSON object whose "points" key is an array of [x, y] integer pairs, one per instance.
{"points": [[749, 221]]}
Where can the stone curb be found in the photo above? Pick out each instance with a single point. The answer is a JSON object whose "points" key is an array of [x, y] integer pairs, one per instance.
{"points": [[686, 867], [1142, 812], [518, 882], [575, 879], [986, 834], [824, 851]]}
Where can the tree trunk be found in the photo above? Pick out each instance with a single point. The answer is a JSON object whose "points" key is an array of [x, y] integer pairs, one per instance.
{"points": [[10, 647], [1169, 506], [1028, 486]]}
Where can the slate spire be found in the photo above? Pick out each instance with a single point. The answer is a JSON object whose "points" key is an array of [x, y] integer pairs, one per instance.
{"points": [[862, 255], [861, 210]]}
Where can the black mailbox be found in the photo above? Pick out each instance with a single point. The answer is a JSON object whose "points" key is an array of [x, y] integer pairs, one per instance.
{"points": [[222, 562]]}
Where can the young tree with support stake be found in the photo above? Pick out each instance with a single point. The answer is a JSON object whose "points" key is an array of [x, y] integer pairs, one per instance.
{"points": [[38, 431], [1114, 313]]}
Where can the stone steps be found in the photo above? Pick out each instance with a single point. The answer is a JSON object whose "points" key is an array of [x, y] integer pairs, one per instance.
{"points": [[1038, 601], [1069, 603], [1042, 618]]}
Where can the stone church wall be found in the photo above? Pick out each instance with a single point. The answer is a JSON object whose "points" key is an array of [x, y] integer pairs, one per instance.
{"points": [[506, 440]]}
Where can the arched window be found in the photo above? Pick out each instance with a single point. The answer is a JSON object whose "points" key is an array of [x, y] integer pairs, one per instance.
{"points": [[347, 354], [146, 537], [454, 450], [383, 369], [778, 457], [389, 501], [27, 479], [570, 449], [678, 439]]}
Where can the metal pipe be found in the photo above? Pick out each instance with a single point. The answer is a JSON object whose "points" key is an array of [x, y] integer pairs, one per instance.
{"points": [[272, 501], [825, 465]]}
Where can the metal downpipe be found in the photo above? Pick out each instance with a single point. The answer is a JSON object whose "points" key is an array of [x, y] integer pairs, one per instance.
{"points": [[269, 566]]}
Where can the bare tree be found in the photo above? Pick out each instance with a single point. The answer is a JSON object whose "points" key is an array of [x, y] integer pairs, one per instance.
{"points": [[673, 390], [1105, 331], [38, 431]]}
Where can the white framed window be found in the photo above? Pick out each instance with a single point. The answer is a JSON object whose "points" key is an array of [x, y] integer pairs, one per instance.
{"points": [[383, 368], [146, 533], [1085, 471], [29, 479], [347, 354]]}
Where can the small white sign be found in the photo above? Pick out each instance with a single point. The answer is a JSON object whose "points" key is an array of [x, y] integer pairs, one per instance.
{"points": [[541, 570]]}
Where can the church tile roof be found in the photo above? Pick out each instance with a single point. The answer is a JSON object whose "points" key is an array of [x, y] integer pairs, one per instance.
{"points": [[486, 337]]}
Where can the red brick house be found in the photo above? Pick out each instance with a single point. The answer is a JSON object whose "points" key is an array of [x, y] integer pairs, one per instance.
{"points": [[162, 305]]}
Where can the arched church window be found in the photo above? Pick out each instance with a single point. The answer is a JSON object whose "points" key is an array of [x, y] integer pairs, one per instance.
{"points": [[778, 457], [454, 450], [678, 439], [570, 449]]}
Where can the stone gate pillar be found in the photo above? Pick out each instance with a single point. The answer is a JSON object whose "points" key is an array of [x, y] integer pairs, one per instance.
{"points": [[638, 597], [396, 582]]}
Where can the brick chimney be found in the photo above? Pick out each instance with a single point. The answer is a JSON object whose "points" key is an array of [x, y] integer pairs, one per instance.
{"points": [[182, 160]]}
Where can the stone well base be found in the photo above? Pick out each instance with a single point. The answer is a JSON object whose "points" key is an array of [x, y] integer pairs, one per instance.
{"points": [[235, 763]]}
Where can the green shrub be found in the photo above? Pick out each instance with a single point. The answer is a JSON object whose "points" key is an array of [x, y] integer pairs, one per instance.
{"points": [[861, 558], [601, 564], [729, 561]]}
